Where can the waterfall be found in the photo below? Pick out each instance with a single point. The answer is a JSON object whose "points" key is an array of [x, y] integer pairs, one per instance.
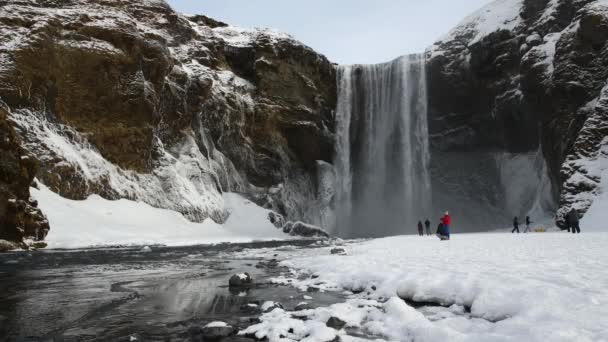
{"points": [[382, 151]]}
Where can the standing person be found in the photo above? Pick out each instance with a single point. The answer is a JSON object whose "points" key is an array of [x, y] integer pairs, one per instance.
{"points": [[515, 225], [528, 222], [420, 232], [441, 231], [447, 221], [427, 224], [572, 219]]}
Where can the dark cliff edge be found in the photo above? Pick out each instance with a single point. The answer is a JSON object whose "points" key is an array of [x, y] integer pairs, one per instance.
{"points": [[536, 78], [158, 107]]}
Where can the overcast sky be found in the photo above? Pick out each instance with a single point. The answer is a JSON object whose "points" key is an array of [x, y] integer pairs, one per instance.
{"points": [[346, 31]]}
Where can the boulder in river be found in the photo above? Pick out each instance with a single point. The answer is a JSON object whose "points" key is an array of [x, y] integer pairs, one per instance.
{"points": [[302, 306], [240, 280], [216, 331], [270, 306]]}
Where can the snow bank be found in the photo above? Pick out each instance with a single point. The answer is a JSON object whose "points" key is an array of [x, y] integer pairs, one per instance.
{"points": [[498, 287], [100, 222]]}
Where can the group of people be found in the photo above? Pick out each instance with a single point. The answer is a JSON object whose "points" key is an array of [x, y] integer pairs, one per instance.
{"points": [[572, 223], [443, 229], [516, 225]]}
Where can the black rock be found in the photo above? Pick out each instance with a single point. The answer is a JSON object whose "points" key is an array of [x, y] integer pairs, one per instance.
{"points": [[240, 280], [335, 322], [338, 250], [302, 306]]}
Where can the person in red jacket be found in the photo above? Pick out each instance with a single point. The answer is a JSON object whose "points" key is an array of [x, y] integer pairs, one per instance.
{"points": [[447, 221]]}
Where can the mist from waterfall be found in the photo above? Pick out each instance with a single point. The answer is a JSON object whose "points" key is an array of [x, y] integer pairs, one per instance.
{"points": [[382, 148]]}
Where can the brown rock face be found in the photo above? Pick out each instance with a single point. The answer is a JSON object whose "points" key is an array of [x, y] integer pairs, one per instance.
{"points": [[19, 216], [128, 99]]}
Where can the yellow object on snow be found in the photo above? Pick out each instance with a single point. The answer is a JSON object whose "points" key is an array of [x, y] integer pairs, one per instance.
{"points": [[540, 230]]}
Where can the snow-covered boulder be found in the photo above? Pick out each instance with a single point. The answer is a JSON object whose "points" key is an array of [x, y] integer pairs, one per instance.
{"points": [[270, 306], [216, 331]]}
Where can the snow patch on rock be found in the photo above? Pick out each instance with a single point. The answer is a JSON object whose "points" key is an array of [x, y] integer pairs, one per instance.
{"points": [[496, 16]]}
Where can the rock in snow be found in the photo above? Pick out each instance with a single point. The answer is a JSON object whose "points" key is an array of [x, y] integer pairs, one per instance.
{"points": [[338, 250], [269, 306], [336, 323], [216, 331]]}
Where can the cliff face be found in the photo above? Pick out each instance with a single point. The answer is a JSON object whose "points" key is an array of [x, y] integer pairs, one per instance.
{"points": [[521, 76], [19, 216], [128, 99]]}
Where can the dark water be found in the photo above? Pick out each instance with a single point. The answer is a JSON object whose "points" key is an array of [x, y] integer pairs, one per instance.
{"points": [[127, 294]]}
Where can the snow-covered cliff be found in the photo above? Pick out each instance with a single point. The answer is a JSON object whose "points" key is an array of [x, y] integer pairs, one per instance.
{"points": [[520, 76], [129, 99]]}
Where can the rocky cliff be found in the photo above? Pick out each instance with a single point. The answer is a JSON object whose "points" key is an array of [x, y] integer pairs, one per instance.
{"points": [[515, 78], [128, 99], [19, 215]]}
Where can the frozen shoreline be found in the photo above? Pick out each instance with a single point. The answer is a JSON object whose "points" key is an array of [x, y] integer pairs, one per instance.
{"points": [[498, 287]]}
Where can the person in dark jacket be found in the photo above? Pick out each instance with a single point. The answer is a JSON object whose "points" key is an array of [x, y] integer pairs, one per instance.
{"points": [[420, 231], [528, 222], [572, 221], [515, 225], [427, 224], [441, 232]]}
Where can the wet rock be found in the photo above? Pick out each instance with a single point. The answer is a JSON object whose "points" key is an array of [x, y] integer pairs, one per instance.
{"points": [[240, 280], [6, 246], [270, 306], [335, 322], [304, 230], [303, 306], [216, 331], [272, 263], [338, 250], [276, 219], [38, 244], [250, 308], [312, 289]]}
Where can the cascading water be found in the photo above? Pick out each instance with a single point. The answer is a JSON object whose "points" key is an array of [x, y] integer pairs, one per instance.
{"points": [[382, 151]]}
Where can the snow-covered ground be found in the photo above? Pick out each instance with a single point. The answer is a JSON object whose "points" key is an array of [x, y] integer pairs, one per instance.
{"points": [[100, 222], [489, 287]]}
